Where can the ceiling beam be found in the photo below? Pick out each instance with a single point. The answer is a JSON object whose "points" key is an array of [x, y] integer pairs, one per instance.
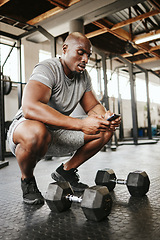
{"points": [[155, 4], [147, 48], [134, 19], [50, 13], [147, 60], [152, 49], [139, 11], [155, 48], [120, 33], [63, 4], [45, 15], [135, 54], [58, 4], [146, 35], [2, 2]]}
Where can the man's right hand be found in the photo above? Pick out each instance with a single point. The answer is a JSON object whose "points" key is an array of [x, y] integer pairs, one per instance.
{"points": [[94, 124]]}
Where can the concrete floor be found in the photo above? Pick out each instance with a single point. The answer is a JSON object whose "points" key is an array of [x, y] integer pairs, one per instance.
{"points": [[130, 218]]}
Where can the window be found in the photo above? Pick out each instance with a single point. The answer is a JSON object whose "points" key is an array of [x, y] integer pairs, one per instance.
{"points": [[9, 60], [124, 86], [44, 55]]}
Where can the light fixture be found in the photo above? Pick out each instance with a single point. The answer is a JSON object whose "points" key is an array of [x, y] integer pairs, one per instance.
{"points": [[148, 38]]}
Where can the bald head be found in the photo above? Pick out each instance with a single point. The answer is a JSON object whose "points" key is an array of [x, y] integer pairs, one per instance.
{"points": [[76, 37]]}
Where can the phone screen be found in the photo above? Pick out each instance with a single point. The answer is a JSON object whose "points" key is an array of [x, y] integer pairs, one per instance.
{"points": [[113, 117]]}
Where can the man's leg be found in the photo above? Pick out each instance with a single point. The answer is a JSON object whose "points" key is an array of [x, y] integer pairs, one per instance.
{"points": [[67, 171], [93, 144], [32, 139]]}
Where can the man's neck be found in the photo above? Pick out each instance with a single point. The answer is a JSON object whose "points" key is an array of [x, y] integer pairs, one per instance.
{"points": [[66, 70]]}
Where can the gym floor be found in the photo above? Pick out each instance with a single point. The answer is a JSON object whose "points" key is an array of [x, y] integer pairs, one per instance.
{"points": [[130, 218]]}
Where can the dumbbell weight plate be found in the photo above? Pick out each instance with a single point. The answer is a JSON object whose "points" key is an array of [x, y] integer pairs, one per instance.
{"points": [[138, 183], [7, 84], [55, 196], [106, 178], [96, 203]]}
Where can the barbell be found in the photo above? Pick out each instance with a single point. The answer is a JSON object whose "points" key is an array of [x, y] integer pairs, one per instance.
{"points": [[7, 84]]}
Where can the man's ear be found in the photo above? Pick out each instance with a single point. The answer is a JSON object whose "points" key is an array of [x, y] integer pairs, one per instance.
{"points": [[64, 48]]}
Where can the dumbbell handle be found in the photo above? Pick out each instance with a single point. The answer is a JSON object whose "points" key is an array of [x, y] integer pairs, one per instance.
{"points": [[73, 198], [119, 181]]}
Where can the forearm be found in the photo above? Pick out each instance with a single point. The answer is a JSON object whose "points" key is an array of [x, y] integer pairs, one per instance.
{"points": [[98, 109], [44, 113]]}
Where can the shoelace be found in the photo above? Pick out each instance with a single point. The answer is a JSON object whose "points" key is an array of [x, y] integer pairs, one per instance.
{"points": [[31, 186]]}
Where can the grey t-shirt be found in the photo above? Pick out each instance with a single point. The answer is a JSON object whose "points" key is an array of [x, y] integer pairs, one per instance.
{"points": [[66, 93]]}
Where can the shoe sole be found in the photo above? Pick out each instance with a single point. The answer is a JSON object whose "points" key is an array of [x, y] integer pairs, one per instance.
{"points": [[33, 202], [58, 178]]}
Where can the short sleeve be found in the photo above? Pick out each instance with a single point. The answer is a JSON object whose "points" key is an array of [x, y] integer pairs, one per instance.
{"points": [[44, 74]]}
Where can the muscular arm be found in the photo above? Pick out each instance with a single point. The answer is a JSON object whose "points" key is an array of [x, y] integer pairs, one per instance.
{"points": [[34, 103], [91, 105]]}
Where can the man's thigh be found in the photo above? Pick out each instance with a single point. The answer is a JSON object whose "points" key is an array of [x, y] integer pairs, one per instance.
{"points": [[11, 130], [64, 142]]}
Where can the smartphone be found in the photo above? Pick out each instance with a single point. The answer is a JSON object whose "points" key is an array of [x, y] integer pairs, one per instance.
{"points": [[113, 117]]}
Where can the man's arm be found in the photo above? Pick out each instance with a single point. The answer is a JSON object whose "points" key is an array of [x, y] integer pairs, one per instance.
{"points": [[34, 103], [91, 105]]}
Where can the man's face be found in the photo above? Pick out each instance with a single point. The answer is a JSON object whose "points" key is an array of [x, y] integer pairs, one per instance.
{"points": [[76, 55]]}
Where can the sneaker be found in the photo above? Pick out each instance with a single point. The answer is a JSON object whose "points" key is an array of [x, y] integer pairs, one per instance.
{"points": [[70, 176], [31, 194]]}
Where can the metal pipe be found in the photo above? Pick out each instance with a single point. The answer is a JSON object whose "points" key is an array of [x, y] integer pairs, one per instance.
{"points": [[134, 106], [148, 107], [148, 101], [8, 55], [121, 132], [2, 133], [5, 80], [51, 38], [20, 90], [105, 97]]}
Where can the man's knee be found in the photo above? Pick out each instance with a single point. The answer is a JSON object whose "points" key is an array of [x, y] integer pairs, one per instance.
{"points": [[105, 137], [101, 139], [39, 136], [33, 136]]}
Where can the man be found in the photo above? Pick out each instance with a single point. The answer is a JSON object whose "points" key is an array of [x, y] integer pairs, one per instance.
{"points": [[43, 124]]}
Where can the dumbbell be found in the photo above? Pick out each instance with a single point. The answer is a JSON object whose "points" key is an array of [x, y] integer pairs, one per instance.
{"points": [[137, 182], [96, 202]]}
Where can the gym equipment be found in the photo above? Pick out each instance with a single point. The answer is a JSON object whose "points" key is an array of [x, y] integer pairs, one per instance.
{"points": [[137, 182], [7, 84], [96, 202]]}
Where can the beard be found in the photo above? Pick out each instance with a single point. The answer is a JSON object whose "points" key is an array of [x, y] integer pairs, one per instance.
{"points": [[75, 73]]}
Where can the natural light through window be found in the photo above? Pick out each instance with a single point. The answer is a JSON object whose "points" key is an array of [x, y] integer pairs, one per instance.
{"points": [[43, 55], [9, 61], [10, 67], [124, 86]]}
